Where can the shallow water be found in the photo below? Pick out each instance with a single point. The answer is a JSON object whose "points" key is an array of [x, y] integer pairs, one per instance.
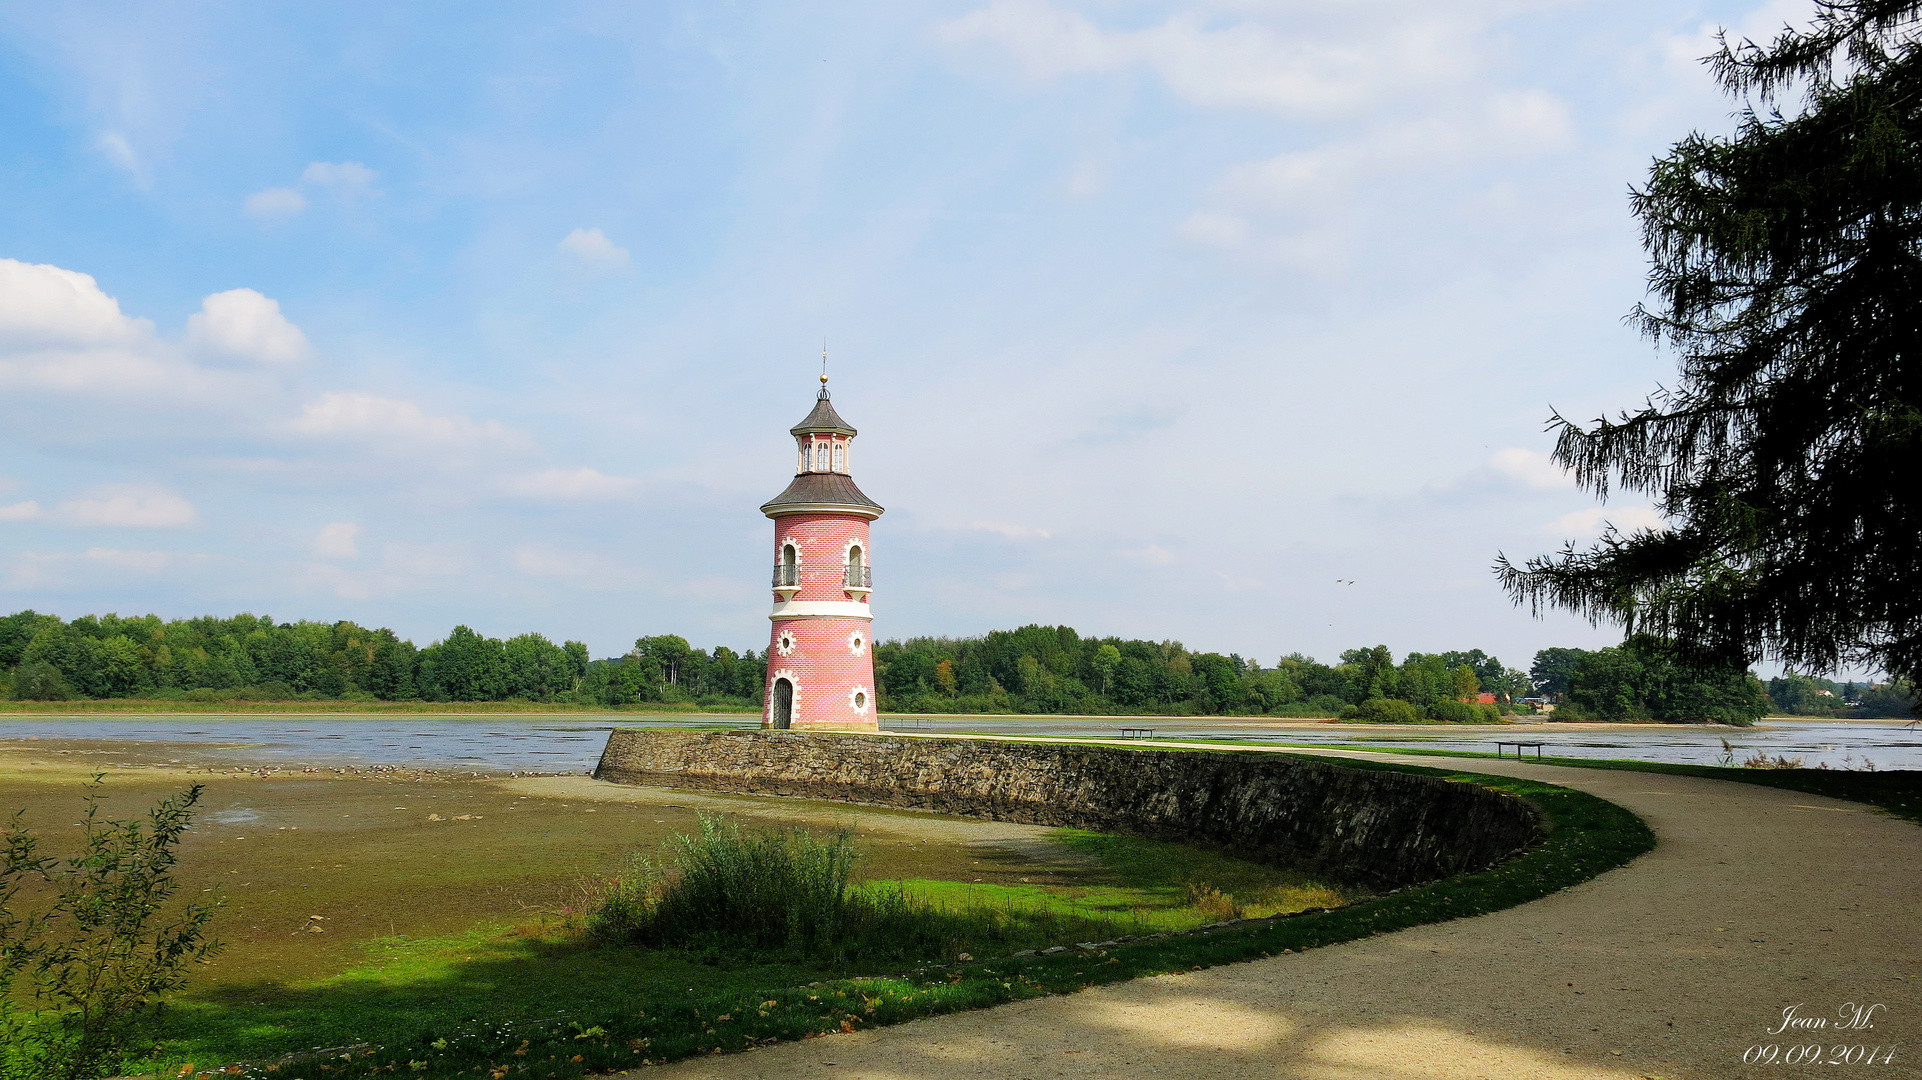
{"points": [[555, 744], [1891, 744], [481, 743]]}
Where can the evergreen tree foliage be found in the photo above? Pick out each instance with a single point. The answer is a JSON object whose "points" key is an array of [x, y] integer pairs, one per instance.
{"points": [[1787, 275]]}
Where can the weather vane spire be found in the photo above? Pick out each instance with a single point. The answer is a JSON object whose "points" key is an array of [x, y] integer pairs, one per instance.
{"points": [[824, 361]]}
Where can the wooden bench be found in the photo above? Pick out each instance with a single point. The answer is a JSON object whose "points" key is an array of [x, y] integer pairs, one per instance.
{"points": [[1518, 749], [1137, 733]]}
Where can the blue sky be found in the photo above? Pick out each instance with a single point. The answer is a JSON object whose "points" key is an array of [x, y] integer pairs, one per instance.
{"points": [[1160, 320]]}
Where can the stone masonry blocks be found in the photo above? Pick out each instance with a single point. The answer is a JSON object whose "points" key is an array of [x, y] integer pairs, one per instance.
{"points": [[1379, 829]]}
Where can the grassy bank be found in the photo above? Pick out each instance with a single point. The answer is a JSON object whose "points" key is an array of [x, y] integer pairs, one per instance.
{"points": [[628, 1007]]}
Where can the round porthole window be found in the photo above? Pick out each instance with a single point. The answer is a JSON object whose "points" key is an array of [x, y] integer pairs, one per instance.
{"points": [[860, 700], [856, 643], [786, 644]]}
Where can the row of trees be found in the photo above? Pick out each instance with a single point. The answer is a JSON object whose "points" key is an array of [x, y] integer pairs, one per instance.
{"points": [[1043, 669], [253, 657], [1036, 669], [1647, 678]]}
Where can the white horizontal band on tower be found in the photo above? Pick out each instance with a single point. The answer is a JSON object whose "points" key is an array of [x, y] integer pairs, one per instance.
{"points": [[821, 609]]}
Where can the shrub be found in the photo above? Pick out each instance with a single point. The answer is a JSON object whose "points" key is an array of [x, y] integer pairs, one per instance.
{"points": [[1464, 712], [768, 888], [37, 680], [785, 892], [1385, 711], [99, 955]]}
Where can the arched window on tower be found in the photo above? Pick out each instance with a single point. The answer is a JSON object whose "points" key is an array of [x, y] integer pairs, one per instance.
{"points": [[857, 576], [840, 457], [789, 572], [821, 457]]}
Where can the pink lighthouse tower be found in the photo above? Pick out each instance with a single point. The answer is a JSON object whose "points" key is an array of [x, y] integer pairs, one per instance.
{"points": [[820, 657]]}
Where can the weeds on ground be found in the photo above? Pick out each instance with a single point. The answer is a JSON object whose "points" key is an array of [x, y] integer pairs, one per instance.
{"points": [[784, 892], [102, 949]]}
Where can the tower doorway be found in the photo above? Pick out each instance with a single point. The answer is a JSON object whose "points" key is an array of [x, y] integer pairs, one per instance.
{"points": [[783, 704]]}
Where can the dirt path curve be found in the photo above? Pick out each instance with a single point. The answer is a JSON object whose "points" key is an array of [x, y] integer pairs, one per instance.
{"points": [[1754, 900]]}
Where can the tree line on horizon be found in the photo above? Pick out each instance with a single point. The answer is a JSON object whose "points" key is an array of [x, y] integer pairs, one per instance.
{"points": [[253, 658], [1035, 669]]}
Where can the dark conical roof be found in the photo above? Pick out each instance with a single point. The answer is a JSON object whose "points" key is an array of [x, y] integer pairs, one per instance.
{"points": [[823, 418], [821, 491]]}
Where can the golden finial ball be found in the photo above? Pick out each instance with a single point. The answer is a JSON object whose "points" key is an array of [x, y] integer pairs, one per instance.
{"points": [[824, 376]]}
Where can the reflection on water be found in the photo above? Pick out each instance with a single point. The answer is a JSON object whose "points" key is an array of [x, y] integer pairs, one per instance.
{"points": [[553, 744]]}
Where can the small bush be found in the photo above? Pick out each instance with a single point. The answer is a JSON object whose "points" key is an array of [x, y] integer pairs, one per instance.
{"points": [[101, 952], [1210, 901], [769, 888], [40, 681], [785, 892], [1385, 711], [1464, 712]]}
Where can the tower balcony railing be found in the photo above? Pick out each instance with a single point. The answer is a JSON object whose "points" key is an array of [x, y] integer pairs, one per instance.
{"points": [[852, 577]]}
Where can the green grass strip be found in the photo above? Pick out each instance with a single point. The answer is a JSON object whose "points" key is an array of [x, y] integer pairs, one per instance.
{"points": [[1586, 837], [1897, 791]]}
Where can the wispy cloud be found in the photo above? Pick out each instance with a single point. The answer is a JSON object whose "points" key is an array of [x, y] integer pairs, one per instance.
{"points": [[572, 485], [122, 506], [592, 249], [1587, 524]]}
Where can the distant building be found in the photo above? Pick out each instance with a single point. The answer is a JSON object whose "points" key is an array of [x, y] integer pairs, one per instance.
{"points": [[820, 657]]}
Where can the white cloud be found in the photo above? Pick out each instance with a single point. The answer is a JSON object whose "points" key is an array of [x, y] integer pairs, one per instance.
{"points": [[336, 540], [546, 561], [346, 179], [1152, 555], [426, 560], [117, 506], [1298, 196], [346, 176], [65, 569], [1245, 65], [275, 202], [243, 323], [572, 484], [129, 506], [369, 415], [146, 562], [46, 305], [1583, 524], [592, 248], [1012, 532], [1532, 467]]}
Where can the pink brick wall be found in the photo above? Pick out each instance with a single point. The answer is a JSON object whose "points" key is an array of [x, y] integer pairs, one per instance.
{"points": [[821, 659]]}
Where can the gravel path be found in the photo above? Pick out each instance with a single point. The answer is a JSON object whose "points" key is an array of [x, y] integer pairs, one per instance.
{"points": [[1755, 900]]}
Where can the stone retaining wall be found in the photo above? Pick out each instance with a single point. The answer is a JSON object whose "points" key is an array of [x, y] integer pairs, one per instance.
{"points": [[1384, 830]]}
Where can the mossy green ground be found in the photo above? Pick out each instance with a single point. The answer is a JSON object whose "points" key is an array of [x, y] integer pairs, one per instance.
{"points": [[372, 908], [742, 1007]]}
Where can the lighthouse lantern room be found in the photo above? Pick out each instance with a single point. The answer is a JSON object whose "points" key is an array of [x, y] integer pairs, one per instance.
{"points": [[820, 657]]}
